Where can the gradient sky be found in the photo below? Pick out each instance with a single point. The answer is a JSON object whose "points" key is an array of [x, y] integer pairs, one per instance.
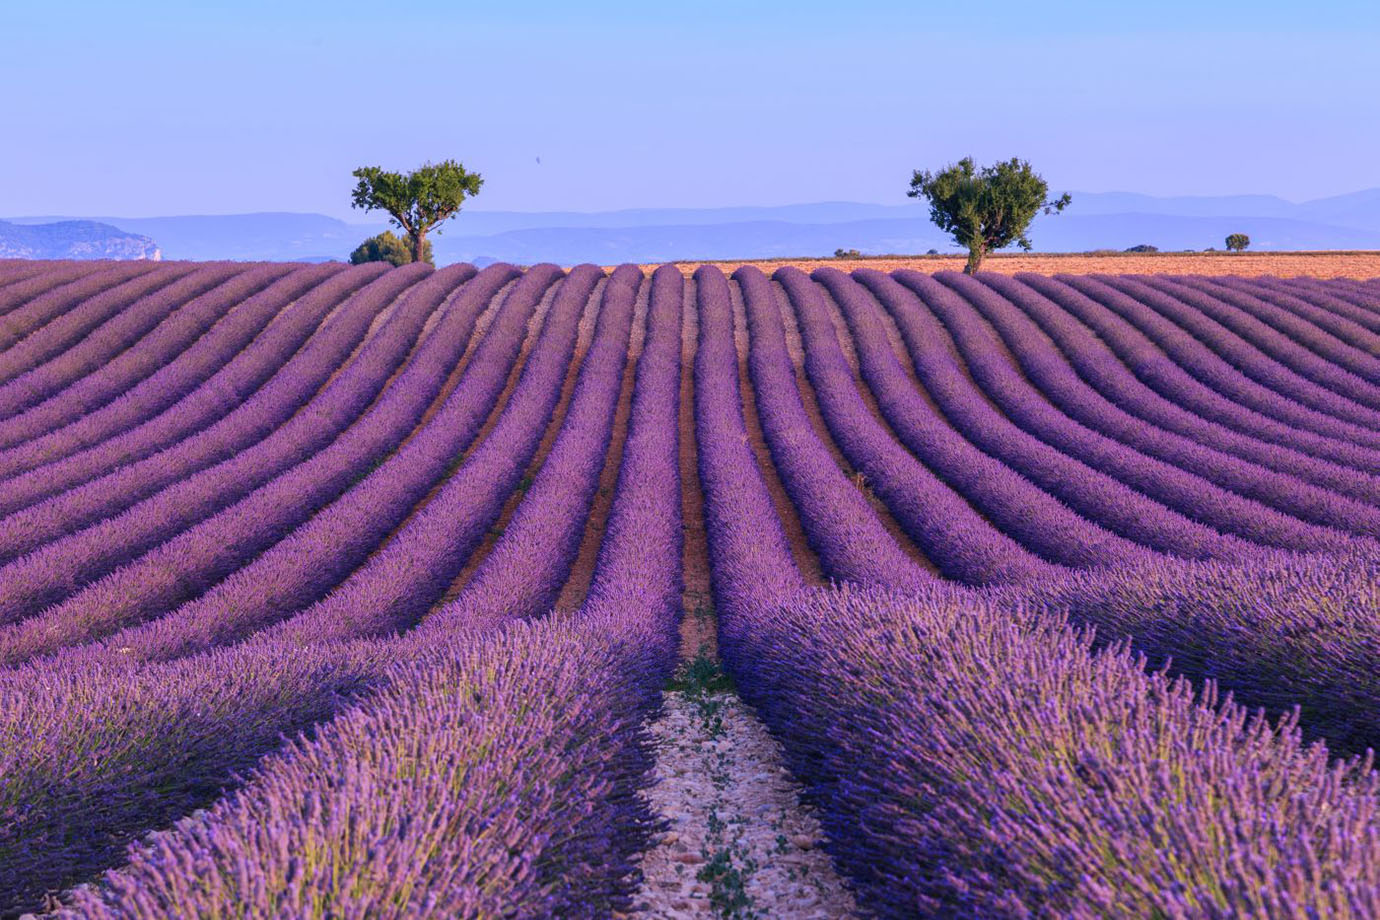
{"points": [[159, 108]]}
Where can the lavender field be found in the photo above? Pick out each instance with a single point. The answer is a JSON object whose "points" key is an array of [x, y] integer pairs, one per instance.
{"points": [[335, 592]]}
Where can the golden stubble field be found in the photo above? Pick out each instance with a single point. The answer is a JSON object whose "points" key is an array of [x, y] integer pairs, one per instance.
{"points": [[1322, 264]]}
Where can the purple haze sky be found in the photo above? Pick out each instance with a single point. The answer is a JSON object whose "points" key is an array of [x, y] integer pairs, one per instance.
{"points": [[173, 108]]}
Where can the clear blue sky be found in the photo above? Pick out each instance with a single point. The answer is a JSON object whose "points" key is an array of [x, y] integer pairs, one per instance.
{"points": [[158, 107]]}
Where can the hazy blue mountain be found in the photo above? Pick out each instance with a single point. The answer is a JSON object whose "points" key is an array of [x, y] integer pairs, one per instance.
{"points": [[73, 239], [1096, 220]]}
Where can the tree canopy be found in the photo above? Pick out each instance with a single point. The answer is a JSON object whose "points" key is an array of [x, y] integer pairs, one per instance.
{"points": [[1237, 242], [419, 200], [988, 208]]}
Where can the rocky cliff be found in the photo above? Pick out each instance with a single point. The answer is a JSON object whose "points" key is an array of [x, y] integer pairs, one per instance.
{"points": [[73, 239]]}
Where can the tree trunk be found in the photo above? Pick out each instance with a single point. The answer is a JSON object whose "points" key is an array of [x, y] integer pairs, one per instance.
{"points": [[418, 245], [975, 254]]}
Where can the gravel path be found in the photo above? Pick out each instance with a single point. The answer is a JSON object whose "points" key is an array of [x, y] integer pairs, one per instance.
{"points": [[740, 844]]}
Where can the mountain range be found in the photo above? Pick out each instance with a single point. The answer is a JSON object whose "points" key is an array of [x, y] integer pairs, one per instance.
{"points": [[1095, 220]]}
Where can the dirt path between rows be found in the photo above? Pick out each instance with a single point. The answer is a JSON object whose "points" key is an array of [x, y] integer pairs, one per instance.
{"points": [[738, 842]]}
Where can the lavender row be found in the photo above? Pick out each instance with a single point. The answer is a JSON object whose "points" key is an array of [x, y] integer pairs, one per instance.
{"points": [[491, 777], [1198, 315], [566, 851], [1301, 346], [1101, 367], [956, 538], [844, 531], [14, 272], [1187, 373], [216, 325], [57, 569], [1050, 371], [1014, 504], [523, 574], [91, 757], [101, 352], [638, 570], [193, 559], [48, 325], [38, 301], [1047, 779], [1097, 496], [1189, 494], [1326, 325], [1338, 300], [1280, 631], [752, 561], [175, 405], [406, 576], [301, 567], [105, 363]]}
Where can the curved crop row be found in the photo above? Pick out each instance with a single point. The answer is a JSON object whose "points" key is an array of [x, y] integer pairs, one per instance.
{"points": [[401, 581], [523, 574], [46, 302], [1320, 323], [752, 561], [1100, 366], [560, 701], [96, 353], [1186, 373], [212, 548], [57, 569], [143, 422], [1288, 342], [1338, 302], [1187, 493], [107, 376], [1053, 376], [960, 543], [1092, 493], [1196, 315], [1011, 502], [850, 540], [303, 566]]}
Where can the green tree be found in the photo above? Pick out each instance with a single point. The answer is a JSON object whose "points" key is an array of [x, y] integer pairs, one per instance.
{"points": [[419, 200], [985, 209], [1237, 242], [382, 248]]}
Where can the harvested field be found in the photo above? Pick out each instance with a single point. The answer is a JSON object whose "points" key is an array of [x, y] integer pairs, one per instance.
{"points": [[1359, 265]]}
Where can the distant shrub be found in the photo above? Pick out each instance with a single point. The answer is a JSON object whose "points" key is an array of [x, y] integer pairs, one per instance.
{"points": [[1143, 247], [388, 248], [932, 252], [1238, 242], [847, 254]]}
